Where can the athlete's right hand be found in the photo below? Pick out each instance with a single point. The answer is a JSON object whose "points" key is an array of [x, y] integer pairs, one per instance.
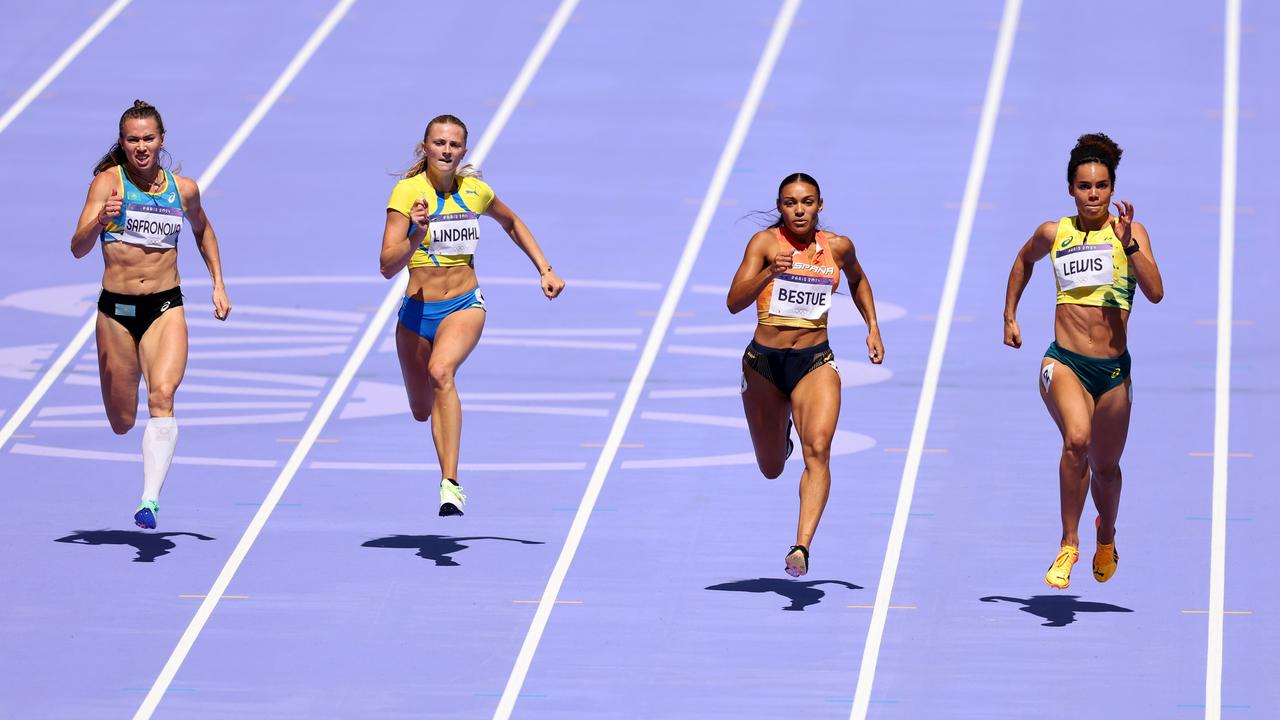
{"points": [[781, 263], [1012, 334], [110, 209], [420, 213]]}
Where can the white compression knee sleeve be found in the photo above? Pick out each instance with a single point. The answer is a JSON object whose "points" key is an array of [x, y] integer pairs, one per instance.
{"points": [[158, 442]]}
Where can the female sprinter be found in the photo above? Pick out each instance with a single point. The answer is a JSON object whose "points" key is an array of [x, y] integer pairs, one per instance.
{"points": [[433, 226], [1098, 258], [135, 207], [790, 271]]}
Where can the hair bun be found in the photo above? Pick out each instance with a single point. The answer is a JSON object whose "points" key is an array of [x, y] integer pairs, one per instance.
{"points": [[140, 104], [1099, 143]]}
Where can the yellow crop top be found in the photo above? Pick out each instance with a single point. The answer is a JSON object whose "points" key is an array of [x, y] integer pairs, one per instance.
{"points": [[1090, 267], [455, 219]]}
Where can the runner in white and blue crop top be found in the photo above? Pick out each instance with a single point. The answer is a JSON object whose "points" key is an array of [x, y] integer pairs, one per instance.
{"points": [[136, 209]]}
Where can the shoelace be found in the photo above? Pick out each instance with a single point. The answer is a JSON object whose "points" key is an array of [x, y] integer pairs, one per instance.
{"points": [[1066, 558], [456, 491]]}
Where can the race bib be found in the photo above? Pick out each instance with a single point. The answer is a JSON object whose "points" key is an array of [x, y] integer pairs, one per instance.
{"points": [[1084, 266], [454, 234], [151, 225], [800, 296]]}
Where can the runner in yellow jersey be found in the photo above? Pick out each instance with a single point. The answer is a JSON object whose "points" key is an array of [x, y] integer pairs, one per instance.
{"points": [[433, 227], [1098, 259], [790, 272]]}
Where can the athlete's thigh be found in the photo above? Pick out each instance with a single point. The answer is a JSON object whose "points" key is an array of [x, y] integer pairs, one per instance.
{"points": [[457, 336], [415, 352], [766, 409], [1070, 406], [1111, 425], [163, 351], [815, 405], [118, 367]]}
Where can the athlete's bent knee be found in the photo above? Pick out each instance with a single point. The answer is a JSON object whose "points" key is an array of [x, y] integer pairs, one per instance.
{"points": [[819, 450], [441, 376], [420, 415], [772, 472], [122, 425], [1075, 443], [1107, 473], [160, 399]]}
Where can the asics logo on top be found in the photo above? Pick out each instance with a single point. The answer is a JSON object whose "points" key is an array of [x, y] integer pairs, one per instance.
{"points": [[470, 192], [1067, 241], [170, 198]]}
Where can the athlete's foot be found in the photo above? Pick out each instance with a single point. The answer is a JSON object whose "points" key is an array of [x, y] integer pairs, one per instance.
{"points": [[451, 498], [145, 517], [1105, 559], [797, 561], [1059, 575]]}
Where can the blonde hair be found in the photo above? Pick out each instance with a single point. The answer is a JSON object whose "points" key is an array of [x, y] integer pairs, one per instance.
{"points": [[420, 154]]}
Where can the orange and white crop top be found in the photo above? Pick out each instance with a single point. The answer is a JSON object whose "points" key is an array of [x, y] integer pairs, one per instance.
{"points": [[801, 296]]}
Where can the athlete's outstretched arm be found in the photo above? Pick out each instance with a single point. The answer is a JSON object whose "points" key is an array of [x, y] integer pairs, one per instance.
{"points": [[207, 242], [1143, 261], [551, 283], [1032, 251], [757, 269], [102, 203], [860, 289]]}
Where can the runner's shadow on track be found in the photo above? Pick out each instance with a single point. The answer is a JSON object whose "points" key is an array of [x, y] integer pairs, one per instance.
{"points": [[150, 545], [801, 593], [1057, 610], [436, 547]]}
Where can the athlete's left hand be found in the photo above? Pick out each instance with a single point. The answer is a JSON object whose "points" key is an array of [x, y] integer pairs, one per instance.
{"points": [[875, 348], [552, 285], [221, 305], [1122, 223]]}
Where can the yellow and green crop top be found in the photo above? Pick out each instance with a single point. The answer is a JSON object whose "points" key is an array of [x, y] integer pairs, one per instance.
{"points": [[455, 219], [1090, 267]]}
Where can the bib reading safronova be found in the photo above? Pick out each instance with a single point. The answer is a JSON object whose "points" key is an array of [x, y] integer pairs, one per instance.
{"points": [[800, 296], [1084, 266], [151, 225], [454, 234]]}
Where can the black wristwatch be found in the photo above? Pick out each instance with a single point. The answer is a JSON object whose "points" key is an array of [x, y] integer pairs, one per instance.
{"points": [[1133, 248]]}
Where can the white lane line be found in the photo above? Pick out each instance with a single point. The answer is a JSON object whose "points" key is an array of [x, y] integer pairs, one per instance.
{"points": [[204, 181], [133, 457], [62, 62], [432, 467], [187, 421], [72, 410], [565, 344], [318, 36], [1222, 380], [371, 334], [746, 113], [937, 348]]}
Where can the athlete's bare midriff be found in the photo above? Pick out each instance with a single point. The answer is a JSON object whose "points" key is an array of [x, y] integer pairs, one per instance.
{"points": [[1100, 332], [433, 284], [782, 337], [136, 270]]}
